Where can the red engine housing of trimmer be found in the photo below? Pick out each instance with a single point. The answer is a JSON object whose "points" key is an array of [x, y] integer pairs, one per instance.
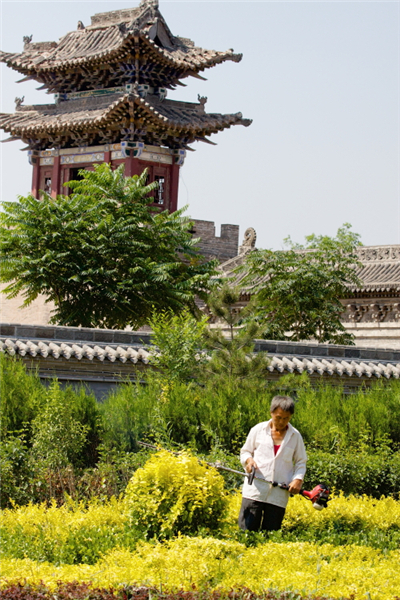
{"points": [[319, 496]]}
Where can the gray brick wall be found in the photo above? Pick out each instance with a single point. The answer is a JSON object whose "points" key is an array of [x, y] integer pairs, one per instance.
{"points": [[223, 247]]}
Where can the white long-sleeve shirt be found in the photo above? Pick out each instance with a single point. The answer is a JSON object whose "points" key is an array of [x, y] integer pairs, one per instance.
{"points": [[289, 463]]}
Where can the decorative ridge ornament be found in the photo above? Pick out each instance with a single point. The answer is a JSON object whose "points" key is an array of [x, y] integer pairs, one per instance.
{"points": [[19, 101], [27, 40], [249, 241]]}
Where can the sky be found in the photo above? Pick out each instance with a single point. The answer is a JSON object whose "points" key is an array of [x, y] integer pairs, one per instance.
{"points": [[321, 81]]}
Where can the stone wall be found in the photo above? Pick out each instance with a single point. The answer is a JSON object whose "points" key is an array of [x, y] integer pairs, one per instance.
{"points": [[223, 247]]}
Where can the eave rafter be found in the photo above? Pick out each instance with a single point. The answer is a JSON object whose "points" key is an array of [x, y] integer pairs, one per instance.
{"points": [[168, 121], [56, 68]]}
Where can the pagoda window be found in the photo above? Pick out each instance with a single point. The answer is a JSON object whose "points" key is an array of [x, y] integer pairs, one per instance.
{"points": [[47, 185], [45, 182], [74, 174], [159, 193]]}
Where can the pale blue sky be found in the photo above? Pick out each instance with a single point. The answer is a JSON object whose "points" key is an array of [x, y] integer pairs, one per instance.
{"points": [[320, 81]]}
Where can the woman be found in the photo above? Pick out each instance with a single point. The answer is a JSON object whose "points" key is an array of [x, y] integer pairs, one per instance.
{"points": [[276, 450]]}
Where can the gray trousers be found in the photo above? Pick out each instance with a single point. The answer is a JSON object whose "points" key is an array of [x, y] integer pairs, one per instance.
{"points": [[255, 515]]}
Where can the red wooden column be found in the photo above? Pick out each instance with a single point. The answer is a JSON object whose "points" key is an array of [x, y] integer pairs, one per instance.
{"points": [[173, 203], [55, 178], [132, 167], [36, 178], [107, 157]]}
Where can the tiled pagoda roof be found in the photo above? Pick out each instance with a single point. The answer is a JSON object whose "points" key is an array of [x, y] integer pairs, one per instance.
{"points": [[171, 121], [114, 38]]}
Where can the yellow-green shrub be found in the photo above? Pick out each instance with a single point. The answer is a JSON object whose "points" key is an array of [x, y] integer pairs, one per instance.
{"points": [[320, 569], [175, 494], [355, 512], [72, 533]]}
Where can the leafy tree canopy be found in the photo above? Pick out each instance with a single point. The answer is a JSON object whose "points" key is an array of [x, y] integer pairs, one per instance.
{"points": [[296, 292], [103, 254]]}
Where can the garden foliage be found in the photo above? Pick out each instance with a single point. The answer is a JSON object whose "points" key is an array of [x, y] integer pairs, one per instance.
{"points": [[309, 569], [352, 440], [175, 494], [349, 548]]}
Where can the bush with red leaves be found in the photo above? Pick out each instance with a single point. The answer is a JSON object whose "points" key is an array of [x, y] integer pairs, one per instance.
{"points": [[84, 591]]}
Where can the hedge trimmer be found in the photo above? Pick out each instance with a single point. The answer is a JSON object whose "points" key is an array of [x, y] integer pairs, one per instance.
{"points": [[319, 496]]}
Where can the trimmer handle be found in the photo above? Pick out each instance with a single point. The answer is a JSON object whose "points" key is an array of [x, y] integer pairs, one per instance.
{"points": [[251, 475]]}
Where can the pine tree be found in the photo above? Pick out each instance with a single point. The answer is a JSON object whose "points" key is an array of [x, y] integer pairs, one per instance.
{"points": [[231, 341]]}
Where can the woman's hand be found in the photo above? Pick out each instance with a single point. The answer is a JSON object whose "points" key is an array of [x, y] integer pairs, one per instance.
{"points": [[250, 462], [295, 486]]}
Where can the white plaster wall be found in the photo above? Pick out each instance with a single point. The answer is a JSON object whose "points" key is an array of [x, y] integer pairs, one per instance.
{"points": [[37, 313], [376, 335]]}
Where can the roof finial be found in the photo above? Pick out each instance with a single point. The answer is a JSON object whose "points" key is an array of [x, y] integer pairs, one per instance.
{"points": [[27, 40], [80, 26], [19, 101], [249, 241], [202, 99], [152, 3]]}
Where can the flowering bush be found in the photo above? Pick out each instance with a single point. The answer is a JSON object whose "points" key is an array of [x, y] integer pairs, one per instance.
{"points": [[175, 494]]}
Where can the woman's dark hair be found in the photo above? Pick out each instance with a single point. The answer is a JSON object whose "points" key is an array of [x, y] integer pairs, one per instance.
{"points": [[286, 403]]}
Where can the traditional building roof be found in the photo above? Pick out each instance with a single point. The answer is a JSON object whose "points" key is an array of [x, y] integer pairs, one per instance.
{"points": [[118, 45], [379, 269], [108, 119]]}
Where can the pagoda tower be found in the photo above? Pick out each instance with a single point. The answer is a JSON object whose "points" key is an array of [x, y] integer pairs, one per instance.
{"points": [[110, 82]]}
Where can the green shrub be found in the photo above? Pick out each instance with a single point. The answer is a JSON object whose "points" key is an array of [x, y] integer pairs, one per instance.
{"points": [[127, 414], [22, 396], [16, 472], [175, 494], [25, 400], [355, 473], [58, 437], [330, 420], [178, 339]]}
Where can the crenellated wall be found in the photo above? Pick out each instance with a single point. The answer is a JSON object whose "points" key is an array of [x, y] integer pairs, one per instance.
{"points": [[223, 247]]}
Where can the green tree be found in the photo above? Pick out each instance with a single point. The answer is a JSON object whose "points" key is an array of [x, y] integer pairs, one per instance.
{"points": [[296, 292], [177, 341], [103, 255], [58, 437], [231, 341]]}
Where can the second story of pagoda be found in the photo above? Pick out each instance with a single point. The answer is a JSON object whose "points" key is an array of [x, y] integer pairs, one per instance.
{"points": [[110, 80]]}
